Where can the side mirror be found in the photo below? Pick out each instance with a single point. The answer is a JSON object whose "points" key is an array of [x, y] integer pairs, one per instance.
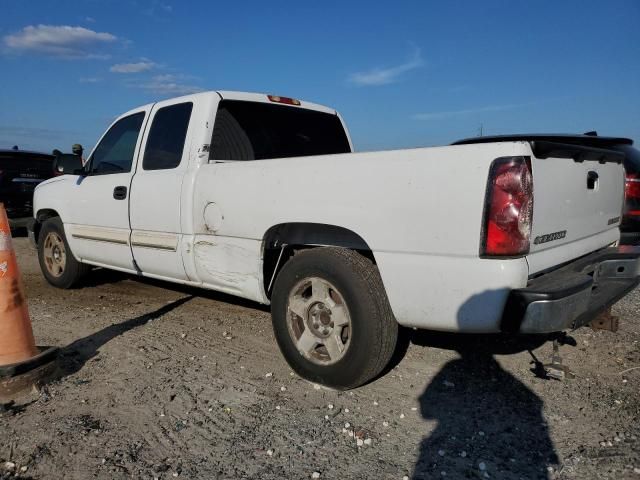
{"points": [[68, 163]]}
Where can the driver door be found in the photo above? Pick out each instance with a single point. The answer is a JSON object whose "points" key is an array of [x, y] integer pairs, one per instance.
{"points": [[98, 227]]}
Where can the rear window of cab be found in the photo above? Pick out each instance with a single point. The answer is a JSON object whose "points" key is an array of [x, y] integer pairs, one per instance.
{"points": [[256, 131]]}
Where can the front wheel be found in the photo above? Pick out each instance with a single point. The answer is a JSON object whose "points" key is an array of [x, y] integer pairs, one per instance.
{"points": [[58, 265], [332, 318]]}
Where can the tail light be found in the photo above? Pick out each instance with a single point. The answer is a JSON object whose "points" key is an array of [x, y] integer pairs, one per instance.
{"points": [[508, 208], [632, 193], [632, 186]]}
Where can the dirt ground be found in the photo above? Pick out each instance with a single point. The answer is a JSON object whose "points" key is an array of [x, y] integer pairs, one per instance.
{"points": [[159, 381]]}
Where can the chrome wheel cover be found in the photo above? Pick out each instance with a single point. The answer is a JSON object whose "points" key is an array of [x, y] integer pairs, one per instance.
{"points": [[318, 321], [55, 254]]}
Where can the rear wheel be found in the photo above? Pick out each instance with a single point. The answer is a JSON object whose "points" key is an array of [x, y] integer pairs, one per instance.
{"points": [[332, 319], [58, 265]]}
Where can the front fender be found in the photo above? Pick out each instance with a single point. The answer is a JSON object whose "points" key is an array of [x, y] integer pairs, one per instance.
{"points": [[53, 196]]}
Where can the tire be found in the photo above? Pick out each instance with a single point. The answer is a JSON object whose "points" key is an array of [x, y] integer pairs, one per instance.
{"points": [[325, 285], [58, 265]]}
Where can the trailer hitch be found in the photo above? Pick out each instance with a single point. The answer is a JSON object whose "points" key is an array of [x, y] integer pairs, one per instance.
{"points": [[555, 370]]}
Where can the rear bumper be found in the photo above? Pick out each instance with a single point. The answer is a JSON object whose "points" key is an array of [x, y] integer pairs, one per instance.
{"points": [[573, 295]]}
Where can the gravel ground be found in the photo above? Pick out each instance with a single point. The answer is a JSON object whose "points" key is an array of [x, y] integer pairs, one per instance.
{"points": [[159, 381]]}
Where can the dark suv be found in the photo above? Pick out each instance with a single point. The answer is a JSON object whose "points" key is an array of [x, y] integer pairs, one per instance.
{"points": [[20, 172]]}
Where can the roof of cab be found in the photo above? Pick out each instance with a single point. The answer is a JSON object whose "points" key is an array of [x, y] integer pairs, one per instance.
{"points": [[264, 98], [242, 96]]}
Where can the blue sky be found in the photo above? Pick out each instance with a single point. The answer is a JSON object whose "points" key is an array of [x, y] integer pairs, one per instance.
{"points": [[403, 74]]}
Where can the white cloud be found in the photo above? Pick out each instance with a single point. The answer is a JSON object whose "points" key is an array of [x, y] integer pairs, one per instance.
{"points": [[385, 76], [137, 67], [58, 41], [169, 84], [469, 111], [89, 80], [90, 19]]}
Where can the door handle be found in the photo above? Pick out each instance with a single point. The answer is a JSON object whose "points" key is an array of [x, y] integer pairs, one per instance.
{"points": [[120, 193]]}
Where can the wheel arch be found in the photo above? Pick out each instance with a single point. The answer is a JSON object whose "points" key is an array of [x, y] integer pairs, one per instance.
{"points": [[40, 217], [280, 242]]}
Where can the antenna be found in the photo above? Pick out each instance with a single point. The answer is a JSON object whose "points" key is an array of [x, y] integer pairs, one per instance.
{"points": [[480, 130]]}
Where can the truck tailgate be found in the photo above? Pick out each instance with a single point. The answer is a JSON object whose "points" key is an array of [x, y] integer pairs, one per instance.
{"points": [[578, 194], [576, 210]]}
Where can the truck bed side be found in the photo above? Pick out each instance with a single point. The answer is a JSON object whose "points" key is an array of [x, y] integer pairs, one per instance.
{"points": [[419, 211]]}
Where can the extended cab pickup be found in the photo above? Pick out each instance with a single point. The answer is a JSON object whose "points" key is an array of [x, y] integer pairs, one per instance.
{"points": [[261, 196]]}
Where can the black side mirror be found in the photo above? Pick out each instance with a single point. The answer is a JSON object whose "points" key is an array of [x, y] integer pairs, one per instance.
{"points": [[68, 163]]}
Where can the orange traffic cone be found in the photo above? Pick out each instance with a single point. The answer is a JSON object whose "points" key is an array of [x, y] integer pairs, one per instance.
{"points": [[16, 337], [22, 364]]}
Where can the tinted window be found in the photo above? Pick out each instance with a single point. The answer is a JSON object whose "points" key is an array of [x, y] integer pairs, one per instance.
{"points": [[115, 152], [255, 131], [18, 160], [23, 165], [166, 138]]}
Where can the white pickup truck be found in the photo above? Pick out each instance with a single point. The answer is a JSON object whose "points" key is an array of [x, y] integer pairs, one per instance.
{"points": [[261, 196]]}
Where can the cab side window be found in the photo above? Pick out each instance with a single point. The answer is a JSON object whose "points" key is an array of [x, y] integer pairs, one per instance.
{"points": [[115, 152], [166, 137]]}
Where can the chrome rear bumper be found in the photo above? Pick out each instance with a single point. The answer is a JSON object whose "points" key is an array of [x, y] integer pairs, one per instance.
{"points": [[573, 295]]}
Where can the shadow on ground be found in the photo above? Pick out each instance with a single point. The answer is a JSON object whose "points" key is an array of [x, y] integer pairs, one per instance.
{"points": [[488, 423], [77, 354]]}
